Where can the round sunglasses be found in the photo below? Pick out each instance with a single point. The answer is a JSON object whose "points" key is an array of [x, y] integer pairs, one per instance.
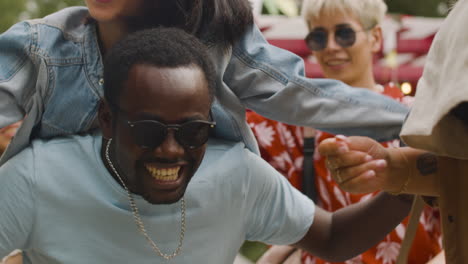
{"points": [[151, 133], [317, 39]]}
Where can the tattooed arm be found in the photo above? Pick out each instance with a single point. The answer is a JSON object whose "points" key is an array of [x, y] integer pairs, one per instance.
{"points": [[415, 171], [360, 164]]}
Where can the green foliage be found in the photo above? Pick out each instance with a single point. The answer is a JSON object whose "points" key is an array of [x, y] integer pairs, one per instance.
{"points": [[284, 7], [46, 7], [253, 250], [10, 12], [16, 10], [430, 8]]}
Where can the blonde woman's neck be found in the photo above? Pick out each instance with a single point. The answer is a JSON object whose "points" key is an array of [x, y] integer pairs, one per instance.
{"points": [[366, 82]]}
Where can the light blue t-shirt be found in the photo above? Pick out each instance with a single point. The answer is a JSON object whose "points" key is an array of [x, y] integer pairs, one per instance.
{"points": [[60, 205]]}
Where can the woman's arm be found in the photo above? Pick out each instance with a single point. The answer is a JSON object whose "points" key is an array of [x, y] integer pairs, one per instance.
{"points": [[271, 81], [18, 73]]}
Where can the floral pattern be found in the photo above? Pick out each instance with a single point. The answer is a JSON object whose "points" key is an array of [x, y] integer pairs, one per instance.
{"points": [[281, 145], [387, 251]]}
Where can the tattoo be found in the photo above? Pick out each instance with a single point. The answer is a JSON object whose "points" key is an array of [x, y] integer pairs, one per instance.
{"points": [[427, 163]]}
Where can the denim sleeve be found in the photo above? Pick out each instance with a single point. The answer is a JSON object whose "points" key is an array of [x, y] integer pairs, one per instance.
{"points": [[271, 81], [16, 203], [18, 73]]}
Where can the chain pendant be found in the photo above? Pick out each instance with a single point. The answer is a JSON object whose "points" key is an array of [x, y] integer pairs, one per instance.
{"points": [[139, 222]]}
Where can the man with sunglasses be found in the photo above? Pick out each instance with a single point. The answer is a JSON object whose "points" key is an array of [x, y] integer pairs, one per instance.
{"points": [[131, 195]]}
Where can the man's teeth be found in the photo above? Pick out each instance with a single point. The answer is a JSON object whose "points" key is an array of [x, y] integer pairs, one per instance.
{"points": [[164, 174]]}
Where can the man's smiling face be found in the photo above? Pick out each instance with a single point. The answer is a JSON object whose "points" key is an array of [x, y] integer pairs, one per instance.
{"points": [[159, 174]]}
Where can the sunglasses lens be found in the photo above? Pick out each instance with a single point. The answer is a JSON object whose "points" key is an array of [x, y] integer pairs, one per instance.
{"points": [[317, 39], [148, 134], [345, 37], [193, 134]]}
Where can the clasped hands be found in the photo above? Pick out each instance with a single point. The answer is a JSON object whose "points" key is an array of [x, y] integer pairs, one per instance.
{"points": [[357, 164]]}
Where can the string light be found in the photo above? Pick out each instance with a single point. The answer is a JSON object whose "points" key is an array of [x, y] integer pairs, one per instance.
{"points": [[406, 88]]}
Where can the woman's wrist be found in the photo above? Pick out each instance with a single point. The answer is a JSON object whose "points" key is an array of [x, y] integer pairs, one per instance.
{"points": [[399, 172], [412, 171]]}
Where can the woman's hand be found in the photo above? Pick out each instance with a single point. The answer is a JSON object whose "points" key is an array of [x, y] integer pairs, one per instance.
{"points": [[357, 164]]}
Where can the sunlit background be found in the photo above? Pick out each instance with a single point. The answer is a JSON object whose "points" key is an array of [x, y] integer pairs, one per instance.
{"points": [[16, 10]]}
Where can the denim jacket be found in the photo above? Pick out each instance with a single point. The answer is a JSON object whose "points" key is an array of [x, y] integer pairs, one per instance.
{"points": [[51, 76]]}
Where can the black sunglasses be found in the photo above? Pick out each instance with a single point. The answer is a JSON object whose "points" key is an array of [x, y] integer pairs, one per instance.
{"points": [[317, 39], [151, 133]]}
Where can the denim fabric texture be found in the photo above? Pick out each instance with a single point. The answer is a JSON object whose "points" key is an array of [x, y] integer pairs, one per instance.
{"points": [[51, 76]]}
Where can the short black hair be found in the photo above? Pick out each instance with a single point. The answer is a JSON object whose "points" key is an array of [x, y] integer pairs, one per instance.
{"points": [[220, 22], [160, 47]]}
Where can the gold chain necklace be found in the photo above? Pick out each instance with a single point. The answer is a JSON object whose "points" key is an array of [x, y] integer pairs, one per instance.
{"points": [[139, 222]]}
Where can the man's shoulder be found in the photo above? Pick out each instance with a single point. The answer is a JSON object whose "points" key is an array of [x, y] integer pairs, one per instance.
{"points": [[216, 144], [64, 141], [218, 149], [68, 147], [229, 156], [51, 159]]}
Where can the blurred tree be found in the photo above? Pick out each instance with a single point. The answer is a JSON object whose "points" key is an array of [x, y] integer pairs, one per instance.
{"points": [[16, 10], [430, 8], [10, 12], [45, 7]]}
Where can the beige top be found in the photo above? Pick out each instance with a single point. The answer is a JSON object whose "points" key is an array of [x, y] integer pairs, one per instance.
{"points": [[453, 202], [431, 126], [443, 86]]}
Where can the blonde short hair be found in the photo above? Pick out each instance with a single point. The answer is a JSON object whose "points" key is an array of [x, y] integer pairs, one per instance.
{"points": [[368, 12]]}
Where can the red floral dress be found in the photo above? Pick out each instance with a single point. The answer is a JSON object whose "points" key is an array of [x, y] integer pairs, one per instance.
{"points": [[281, 145]]}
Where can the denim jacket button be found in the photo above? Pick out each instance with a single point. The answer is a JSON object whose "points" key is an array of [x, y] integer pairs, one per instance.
{"points": [[101, 82]]}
